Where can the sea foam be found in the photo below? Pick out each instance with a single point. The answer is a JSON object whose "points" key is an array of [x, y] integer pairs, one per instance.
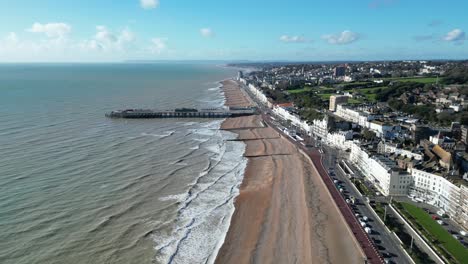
{"points": [[205, 210]]}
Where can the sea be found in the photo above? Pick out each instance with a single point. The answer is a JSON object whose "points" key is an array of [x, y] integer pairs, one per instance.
{"points": [[77, 187]]}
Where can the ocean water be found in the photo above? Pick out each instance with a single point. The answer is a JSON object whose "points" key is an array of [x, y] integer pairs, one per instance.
{"points": [[76, 187]]}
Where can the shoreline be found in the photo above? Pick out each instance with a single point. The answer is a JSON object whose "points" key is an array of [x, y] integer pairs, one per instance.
{"points": [[283, 213]]}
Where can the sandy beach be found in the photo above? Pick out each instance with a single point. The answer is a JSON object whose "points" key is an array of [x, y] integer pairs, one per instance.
{"points": [[283, 213]]}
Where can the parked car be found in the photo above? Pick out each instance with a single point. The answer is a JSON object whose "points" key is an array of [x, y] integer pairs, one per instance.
{"points": [[368, 230], [440, 222]]}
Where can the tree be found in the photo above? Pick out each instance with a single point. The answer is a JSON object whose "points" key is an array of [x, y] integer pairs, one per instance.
{"points": [[456, 75], [367, 134]]}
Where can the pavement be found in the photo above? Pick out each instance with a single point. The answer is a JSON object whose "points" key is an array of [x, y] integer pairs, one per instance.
{"points": [[387, 244], [380, 242]]}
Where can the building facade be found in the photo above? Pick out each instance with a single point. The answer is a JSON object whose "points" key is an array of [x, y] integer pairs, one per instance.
{"points": [[340, 140], [381, 171], [339, 71], [439, 191], [336, 100], [320, 128]]}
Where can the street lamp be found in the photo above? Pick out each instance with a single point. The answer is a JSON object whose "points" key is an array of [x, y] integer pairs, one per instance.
{"points": [[411, 246], [385, 214]]}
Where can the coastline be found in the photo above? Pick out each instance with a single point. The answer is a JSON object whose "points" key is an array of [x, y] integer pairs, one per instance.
{"points": [[283, 212]]}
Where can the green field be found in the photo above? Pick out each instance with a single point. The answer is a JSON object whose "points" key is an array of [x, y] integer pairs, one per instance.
{"points": [[370, 93], [372, 90], [359, 83], [325, 96], [354, 101], [414, 79], [303, 90], [438, 233]]}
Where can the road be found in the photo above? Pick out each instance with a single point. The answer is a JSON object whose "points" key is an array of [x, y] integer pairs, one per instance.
{"points": [[449, 225], [367, 245], [387, 244]]}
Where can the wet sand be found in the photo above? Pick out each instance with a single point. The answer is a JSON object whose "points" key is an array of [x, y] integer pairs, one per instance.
{"points": [[284, 213]]}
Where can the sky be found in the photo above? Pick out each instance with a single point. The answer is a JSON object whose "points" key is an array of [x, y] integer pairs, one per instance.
{"points": [[256, 30]]}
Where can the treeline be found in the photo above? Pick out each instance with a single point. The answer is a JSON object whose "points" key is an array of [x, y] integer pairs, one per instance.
{"points": [[309, 103], [308, 100], [457, 75], [426, 112], [396, 90], [352, 86]]}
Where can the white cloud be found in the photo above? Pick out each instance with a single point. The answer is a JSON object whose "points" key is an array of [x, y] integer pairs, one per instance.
{"points": [[12, 38], [126, 36], [292, 39], [52, 30], [149, 4], [106, 40], [104, 45], [345, 37], [207, 32], [456, 35], [104, 35], [158, 45]]}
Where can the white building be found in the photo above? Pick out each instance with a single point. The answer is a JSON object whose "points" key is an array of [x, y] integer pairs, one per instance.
{"points": [[462, 215], [450, 196], [456, 107], [348, 114], [319, 128], [383, 172], [389, 148], [380, 128], [366, 120], [258, 94], [285, 112], [340, 140]]}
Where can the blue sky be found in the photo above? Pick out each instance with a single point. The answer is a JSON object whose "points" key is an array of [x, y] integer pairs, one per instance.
{"points": [[111, 30]]}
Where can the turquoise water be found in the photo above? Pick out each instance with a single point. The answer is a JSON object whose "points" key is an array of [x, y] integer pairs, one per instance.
{"points": [[76, 187]]}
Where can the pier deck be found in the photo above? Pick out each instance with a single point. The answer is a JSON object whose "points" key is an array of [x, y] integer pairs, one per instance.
{"points": [[181, 113]]}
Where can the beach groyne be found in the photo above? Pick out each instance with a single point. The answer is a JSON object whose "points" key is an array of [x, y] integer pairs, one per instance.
{"points": [[283, 213]]}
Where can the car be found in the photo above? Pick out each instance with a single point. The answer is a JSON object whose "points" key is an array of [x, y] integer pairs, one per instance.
{"points": [[440, 222], [456, 237], [463, 233], [348, 201], [365, 218]]}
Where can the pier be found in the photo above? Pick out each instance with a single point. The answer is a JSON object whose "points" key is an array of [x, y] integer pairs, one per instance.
{"points": [[182, 113]]}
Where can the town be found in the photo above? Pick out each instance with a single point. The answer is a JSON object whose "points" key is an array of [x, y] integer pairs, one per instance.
{"points": [[399, 131]]}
